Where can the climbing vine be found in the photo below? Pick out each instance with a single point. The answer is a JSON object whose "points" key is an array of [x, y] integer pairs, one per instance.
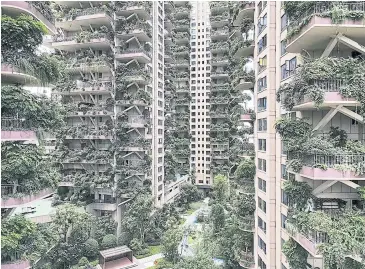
{"points": [[295, 254]]}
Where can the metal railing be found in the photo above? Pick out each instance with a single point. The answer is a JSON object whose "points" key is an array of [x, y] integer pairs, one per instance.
{"points": [[339, 159], [105, 201], [329, 85], [9, 123]]}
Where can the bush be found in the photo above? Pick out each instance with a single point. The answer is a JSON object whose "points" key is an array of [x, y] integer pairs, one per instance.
{"points": [[200, 217], [91, 248], [109, 241], [83, 261], [136, 245], [124, 239]]}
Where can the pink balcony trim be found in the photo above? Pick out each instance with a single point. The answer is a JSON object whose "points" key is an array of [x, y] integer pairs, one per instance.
{"points": [[329, 174], [16, 265], [306, 243], [18, 136], [246, 117], [28, 8], [15, 202]]}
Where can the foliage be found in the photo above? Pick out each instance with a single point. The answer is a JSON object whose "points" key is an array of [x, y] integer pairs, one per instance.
{"points": [[303, 11], [102, 226], [188, 193], [347, 74], [40, 111], [295, 254], [220, 188], [26, 166], [217, 217], [338, 136], [91, 248], [170, 244], [16, 233], [136, 221], [200, 261], [298, 192], [245, 170], [109, 241]]}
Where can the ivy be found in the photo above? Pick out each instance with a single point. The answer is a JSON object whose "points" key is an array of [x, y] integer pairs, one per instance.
{"points": [[311, 80], [295, 254], [299, 193]]}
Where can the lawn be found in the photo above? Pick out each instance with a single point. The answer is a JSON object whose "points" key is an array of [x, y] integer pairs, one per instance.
{"points": [[152, 251], [193, 207]]}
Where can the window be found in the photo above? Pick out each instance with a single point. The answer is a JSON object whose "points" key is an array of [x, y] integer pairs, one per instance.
{"points": [[262, 84], [262, 204], [262, 164], [284, 22], [262, 184], [262, 144], [283, 47], [260, 263], [261, 104], [261, 244], [261, 224], [283, 172], [262, 64], [261, 25], [262, 124], [288, 68], [283, 221], [262, 43], [284, 198]]}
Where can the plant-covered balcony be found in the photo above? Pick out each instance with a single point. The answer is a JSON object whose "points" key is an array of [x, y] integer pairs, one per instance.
{"points": [[219, 33], [223, 87], [133, 26], [242, 10], [182, 25], [140, 52], [139, 142], [247, 260], [44, 7], [183, 102], [306, 13], [325, 80], [184, 75], [220, 100], [21, 109], [25, 170], [219, 7], [219, 168], [133, 167], [220, 19], [88, 155], [241, 47], [20, 38], [83, 61], [85, 131], [141, 8], [182, 12], [309, 153], [76, 87], [179, 49], [88, 109], [219, 72], [84, 36], [216, 46], [139, 74], [102, 180], [220, 60], [181, 36], [219, 127], [140, 97], [66, 13]]}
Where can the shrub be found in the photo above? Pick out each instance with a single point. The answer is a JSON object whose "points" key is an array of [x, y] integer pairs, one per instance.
{"points": [[109, 241], [83, 261], [91, 248]]}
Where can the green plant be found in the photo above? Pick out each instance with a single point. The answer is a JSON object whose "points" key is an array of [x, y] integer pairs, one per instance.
{"points": [[109, 241], [299, 193], [295, 254], [91, 248]]}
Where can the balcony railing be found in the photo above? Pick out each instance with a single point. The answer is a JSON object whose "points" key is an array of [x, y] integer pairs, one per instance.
{"points": [[332, 161], [323, 7], [9, 124], [105, 201]]}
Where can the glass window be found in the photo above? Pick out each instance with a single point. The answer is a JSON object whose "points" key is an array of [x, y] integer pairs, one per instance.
{"points": [[283, 221], [261, 264], [261, 104], [283, 172], [262, 184], [284, 198], [261, 224], [262, 204], [262, 144], [262, 84], [288, 69], [262, 164], [262, 43], [284, 22], [283, 47], [261, 244]]}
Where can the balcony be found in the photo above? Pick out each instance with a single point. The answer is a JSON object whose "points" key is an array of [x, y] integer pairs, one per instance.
{"points": [[220, 34], [219, 114], [134, 167], [247, 117], [311, 242], [95, 65], [86, 132], [220, 60], [247, 260], [219, 100], [140, 76], [83, 87], [75, 19], [182, 25], [244, 9], [314, 28], [243, 79], [180, 63], [332, 96], [219, 127], [218, 7], [181, 38], [40, 11], [129, 54], [141, 8], [10, 202], [183, 102], [346, 165], [220, 87], [96, 40], [219, 74], [105, 205], [12, 75], [219, 46], [243, 48], [182, 12], [220, 20], [139, 29]]}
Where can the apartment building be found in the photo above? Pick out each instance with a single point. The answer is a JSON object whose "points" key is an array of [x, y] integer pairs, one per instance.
{"points": [[301, 50], [21, 131], [113, 147]]}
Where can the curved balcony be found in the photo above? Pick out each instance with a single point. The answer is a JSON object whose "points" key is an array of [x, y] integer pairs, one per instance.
{"points": [[312, 31], [81, 132], [141, 8], [243, 48], [220, 87], [16, 8], [336, 167], [181, 63], [219, 100], [96, 41], [103, 204], [16, 202], [220, 20], [220, 61], [332, 96], [181, 12], [11, 75], [220, 34], [181, 38], [247, 260], [244, 9], [82, 87], [21, 264], [218, 7], [96, 16], [94, 66], [247, 117], [128, 54], [219, 74], [219, 46]]}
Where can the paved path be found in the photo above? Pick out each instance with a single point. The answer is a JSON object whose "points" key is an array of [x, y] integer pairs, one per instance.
{"points": [[149, 261]]}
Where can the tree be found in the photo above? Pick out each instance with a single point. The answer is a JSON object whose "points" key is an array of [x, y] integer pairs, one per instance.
{"points": [[109, 241], [220, 189], [16, 232], [188, 193], [136, 221], [217, 217], [91, 248], [200, 261], [170, 244], [245, 170], [102, 226]]}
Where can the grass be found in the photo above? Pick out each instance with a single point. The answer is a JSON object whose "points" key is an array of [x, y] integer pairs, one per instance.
{"points": [[154, 267], [191, 240], [182, 221], [193, 207], [152, 251]]}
